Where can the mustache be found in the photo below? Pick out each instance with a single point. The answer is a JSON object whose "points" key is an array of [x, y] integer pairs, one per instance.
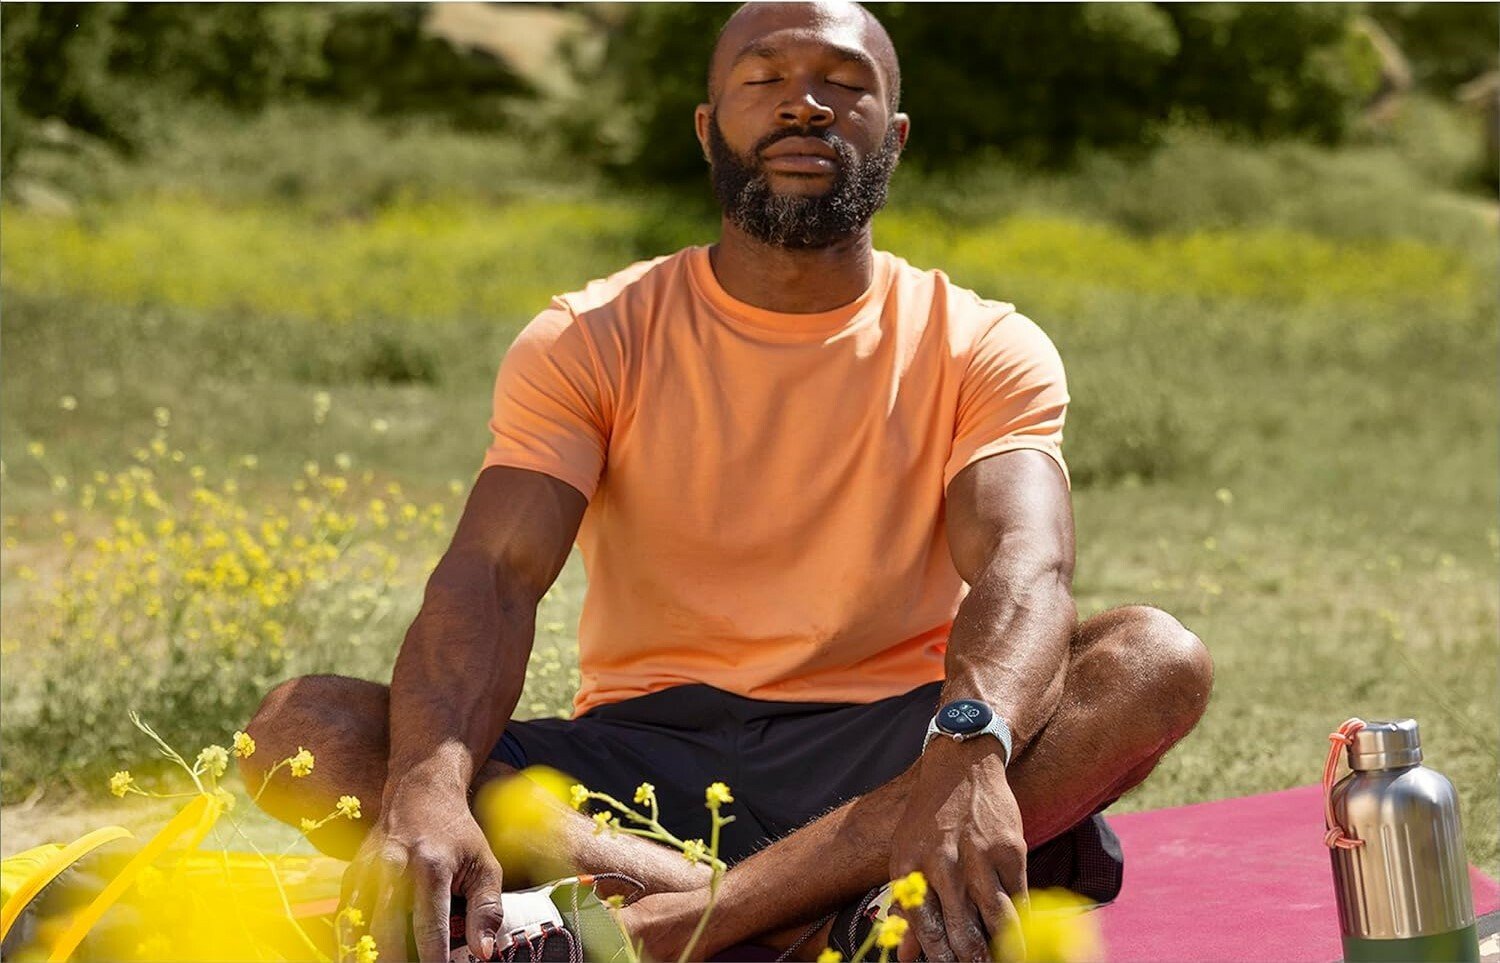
{"points": [[839, 145]]}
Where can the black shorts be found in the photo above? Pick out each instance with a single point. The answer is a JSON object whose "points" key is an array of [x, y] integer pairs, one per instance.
{"points": [[786, 762]]}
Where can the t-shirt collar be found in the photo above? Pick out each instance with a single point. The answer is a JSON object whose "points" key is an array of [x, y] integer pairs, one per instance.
{"points": [[707, 286]]}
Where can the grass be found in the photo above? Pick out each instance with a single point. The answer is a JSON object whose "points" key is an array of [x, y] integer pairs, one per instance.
{"points": [[1283, 429]]}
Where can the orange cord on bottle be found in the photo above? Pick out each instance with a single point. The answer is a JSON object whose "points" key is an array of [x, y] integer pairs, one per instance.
{"points": [[1334, 838]]}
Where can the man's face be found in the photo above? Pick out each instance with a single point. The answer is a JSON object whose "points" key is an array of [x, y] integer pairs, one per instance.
{"points": [[800, 132]]}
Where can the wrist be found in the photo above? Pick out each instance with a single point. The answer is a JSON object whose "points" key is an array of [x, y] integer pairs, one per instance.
{"points": [[950, 753], [441, 775], [970, 720]]}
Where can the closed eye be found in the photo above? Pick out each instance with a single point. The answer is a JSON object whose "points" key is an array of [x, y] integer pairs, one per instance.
{"points": [[854, 87]]}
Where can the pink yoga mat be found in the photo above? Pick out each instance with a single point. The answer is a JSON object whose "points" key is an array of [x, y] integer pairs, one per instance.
{"points": [[1238, 879]]}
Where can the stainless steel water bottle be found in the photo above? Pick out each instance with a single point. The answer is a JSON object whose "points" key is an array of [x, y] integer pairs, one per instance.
{"points": [[1398, 854]]}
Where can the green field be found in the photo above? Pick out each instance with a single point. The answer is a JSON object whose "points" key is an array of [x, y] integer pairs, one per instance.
{"points": [[1284, 432]]}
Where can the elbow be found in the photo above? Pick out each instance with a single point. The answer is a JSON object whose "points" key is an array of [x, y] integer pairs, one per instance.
{"points": [[463, 576]]}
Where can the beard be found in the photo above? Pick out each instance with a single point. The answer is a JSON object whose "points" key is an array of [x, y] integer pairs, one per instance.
{"points": [[797, 221]]}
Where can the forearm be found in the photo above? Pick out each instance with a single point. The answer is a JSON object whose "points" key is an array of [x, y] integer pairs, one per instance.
{"points": [[1010, 639], [790, 882], [459, 673]]}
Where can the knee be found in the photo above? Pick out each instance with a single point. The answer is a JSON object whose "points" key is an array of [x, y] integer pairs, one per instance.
{"points": [[288, 713], [270, 722], [1171, 670]]}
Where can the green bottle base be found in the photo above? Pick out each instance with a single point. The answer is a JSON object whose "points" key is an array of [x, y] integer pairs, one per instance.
{"points": [[1460, 946]]}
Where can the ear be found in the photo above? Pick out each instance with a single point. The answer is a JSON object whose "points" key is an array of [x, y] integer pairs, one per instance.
{"points": [[701, 116], [902, 124]]}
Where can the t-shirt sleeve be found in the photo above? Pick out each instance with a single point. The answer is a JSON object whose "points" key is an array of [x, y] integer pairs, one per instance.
{"points": [[1014, 395], [550, 413]]}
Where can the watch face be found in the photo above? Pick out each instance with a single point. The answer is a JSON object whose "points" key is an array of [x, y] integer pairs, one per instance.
{"points": [[964, 717]]}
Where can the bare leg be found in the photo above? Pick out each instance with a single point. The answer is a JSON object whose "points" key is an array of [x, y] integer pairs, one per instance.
{"points": [[1136, 683], [342, 721]]}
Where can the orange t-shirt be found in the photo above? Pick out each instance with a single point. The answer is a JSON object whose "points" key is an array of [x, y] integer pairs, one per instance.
{"points": [[766, 490]]}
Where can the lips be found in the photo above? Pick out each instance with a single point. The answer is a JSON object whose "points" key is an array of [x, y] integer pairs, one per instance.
{"points": [[801, 155]]}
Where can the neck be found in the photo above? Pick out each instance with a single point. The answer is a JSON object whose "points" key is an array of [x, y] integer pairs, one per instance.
{"points": [[792, 281]]}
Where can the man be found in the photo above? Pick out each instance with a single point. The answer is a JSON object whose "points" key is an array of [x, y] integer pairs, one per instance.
{"points": [[784, 456]]}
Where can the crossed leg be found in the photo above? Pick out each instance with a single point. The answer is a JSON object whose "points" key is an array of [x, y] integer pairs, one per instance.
{"points": [[1136, 683]]}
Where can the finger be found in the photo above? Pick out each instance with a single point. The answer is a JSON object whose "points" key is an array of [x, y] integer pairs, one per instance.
{"points": [[1016, 887], [354, 893], [431, 903], [927, 920], [484, 915], [392, 901], [999, 913], [965, 929], [910, 947]]}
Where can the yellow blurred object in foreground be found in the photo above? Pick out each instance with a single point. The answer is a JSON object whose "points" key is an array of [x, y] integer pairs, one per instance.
{"points": [[1057, 928], [519, 814]]}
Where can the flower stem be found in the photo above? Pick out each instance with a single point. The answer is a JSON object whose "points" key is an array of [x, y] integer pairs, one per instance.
{"points": [[713, 888]]}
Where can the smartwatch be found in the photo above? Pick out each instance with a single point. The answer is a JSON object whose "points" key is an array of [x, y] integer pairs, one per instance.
{"points": [[968, 719]]}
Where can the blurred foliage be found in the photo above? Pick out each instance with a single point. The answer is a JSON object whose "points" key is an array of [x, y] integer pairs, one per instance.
{"points": [[1039, 81], [1446, 44], [119, 71], [392, 299]]}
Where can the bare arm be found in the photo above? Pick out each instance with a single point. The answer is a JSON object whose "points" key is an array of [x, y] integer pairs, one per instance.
{"points": [[456, 681], [1010, 526], [460, 671]]}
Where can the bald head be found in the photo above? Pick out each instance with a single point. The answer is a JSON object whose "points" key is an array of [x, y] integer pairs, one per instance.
{"points": [[848, 22]]}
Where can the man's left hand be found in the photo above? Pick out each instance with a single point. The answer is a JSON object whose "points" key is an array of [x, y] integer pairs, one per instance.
{"points": [[962, 830]]}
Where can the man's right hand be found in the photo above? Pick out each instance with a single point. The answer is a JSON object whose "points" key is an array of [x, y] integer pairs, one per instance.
{"points": [[425, 849]]}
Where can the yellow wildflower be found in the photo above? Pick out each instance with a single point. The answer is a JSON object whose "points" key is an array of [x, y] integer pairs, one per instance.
{"points": [[308, 825], [213, 760], [348, 807], [830, 955], [694, 851], [578, 795], [354, 916], [36, 449], [67, 403], [365, 951], [301, 763], [162, 416], [121, 783], [244, 746], [603, 821], [717, 794], [910, 890], [645, 794], [225, 798], [892, 932]]}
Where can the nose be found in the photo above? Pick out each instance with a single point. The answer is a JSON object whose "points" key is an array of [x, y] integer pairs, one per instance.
{"points": [[804, 111]]}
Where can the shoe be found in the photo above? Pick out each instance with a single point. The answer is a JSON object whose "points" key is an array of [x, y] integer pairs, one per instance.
{"points": [[853, 924], [560, 922]]}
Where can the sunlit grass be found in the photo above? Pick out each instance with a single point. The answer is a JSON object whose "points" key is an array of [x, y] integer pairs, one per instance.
{"points": [[437, 261]]}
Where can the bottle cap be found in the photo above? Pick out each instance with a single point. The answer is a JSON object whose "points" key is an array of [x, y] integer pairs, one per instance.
{"points": [[1385, 745]]}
